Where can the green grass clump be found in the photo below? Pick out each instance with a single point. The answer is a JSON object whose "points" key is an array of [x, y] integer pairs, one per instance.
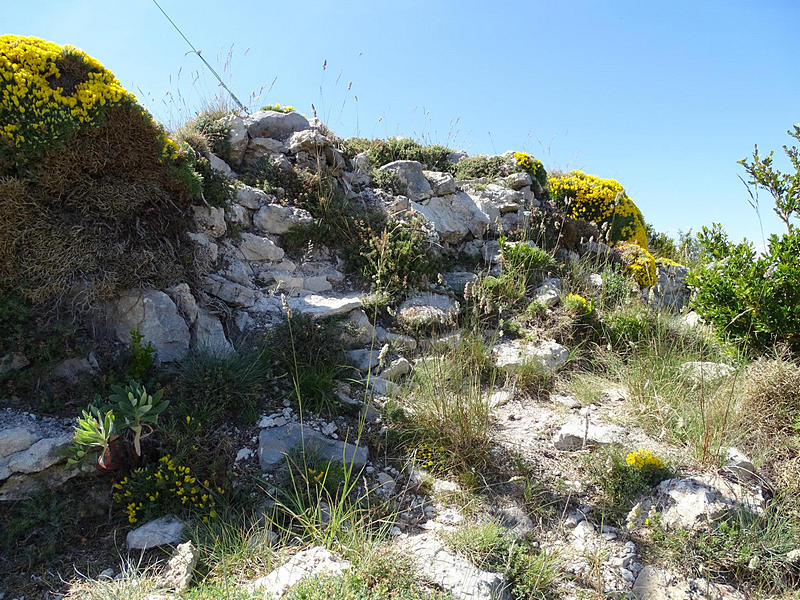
{"points": [[480, 166], [531, 573]]}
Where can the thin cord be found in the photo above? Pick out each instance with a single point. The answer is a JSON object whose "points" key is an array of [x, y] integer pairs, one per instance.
{"points": [[200, 56]]}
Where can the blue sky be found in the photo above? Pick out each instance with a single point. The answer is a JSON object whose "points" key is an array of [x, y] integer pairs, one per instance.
{"points": [[663, 96]]}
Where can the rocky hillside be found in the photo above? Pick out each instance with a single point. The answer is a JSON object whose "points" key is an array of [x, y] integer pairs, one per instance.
{"points": [[256, 360]]}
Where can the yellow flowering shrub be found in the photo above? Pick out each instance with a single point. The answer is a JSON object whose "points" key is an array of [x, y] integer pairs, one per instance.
{"points": [[601, 201], [76, 147], [641, 458], [579, 305], [165, 488], [532, 166], [667, 262], [638, 263]]}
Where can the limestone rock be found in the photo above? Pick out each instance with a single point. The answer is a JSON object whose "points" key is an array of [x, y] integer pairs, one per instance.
{"points": [[428, 310], [454, 216], [273, 124], [234, 294], [549, 292], [209, 336], [671, 290], [454, 573], [737, 463], [364, 359], [276, 442], [237, 137], [180, 568], [571, 436], [654, 583], [220, 165], [696, 502], [252, 198], [512, 355], [442, 184], [324, 306], [306, 563], [308, 140], [517, 181], [209, 220], [396, 369], [278, 219], [182, 296], [410, 173], [258, 248], [153, 314], [457, 280], [206, 250], [159, 532]]}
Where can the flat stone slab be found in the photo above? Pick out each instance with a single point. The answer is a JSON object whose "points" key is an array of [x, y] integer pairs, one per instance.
{"points": [[454, 573], [276, 442], [304, 564], [324, 306], [571, 435], [510, 356], [160, 532]]}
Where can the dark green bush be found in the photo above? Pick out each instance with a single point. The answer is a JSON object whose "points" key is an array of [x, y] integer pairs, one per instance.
{"points": [[477, 167], [382, 152]]}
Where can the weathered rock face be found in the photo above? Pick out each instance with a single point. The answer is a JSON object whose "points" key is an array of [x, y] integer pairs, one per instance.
{"points": [[654, 583], [180, 568], [410, 173], [454, 573], [275, 125], [30, 453], [583, 433], [153, 314], [454, 217], [428, 310], [306, 563], [276, 442], [510, 356], [670, 290], [257, 248], [278, 219], [324, 306]]}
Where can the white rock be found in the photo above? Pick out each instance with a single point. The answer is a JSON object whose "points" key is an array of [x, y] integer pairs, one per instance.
{"points": [[205, 249], [180, 568], [386, 483], [208, 335], [243, 454], [220, 165], [182, 296], [500, 398], [454, 216], [154, 315], [396, 369], [252, 198], [257, 248], [273, 124], [160, 532], [428, 310], [441, 184], [512, 355], [410, 173], [234, 294], [307, 140], [304, 564], [278, 219], [325, 306], [571, 436]]}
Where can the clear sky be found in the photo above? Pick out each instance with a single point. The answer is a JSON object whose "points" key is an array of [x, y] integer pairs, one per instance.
{"points": [[663, 96]]}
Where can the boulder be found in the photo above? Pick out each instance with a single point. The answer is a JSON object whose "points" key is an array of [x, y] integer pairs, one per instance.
{"points": [[454, 217], [220, 165], [549, 292], [573, 434], [510, 356], [278, 219], [396, 369], [454, 573], [428, 310], [273, 124], [517, 181], [182, 296], [252, 198], [316, 561], [654, 583], [364, 359], [209, 220], [442, 184], [232, 293], [457, 280], [179, 570], [257, 248], [410, 173], [324, 306], [237, 137], [276, 442], [159, 532], [308, 140], [154, 315], [208, 335]]}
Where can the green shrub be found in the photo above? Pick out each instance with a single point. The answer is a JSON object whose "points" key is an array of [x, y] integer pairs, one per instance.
{"points": [[623, 476], [218, 188], [525, 259], [480, 166], [389, 181], [752, 300], [617, 288], [638, 263], [278, 108], [531, 166], [142, 357], [382, 152]]}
